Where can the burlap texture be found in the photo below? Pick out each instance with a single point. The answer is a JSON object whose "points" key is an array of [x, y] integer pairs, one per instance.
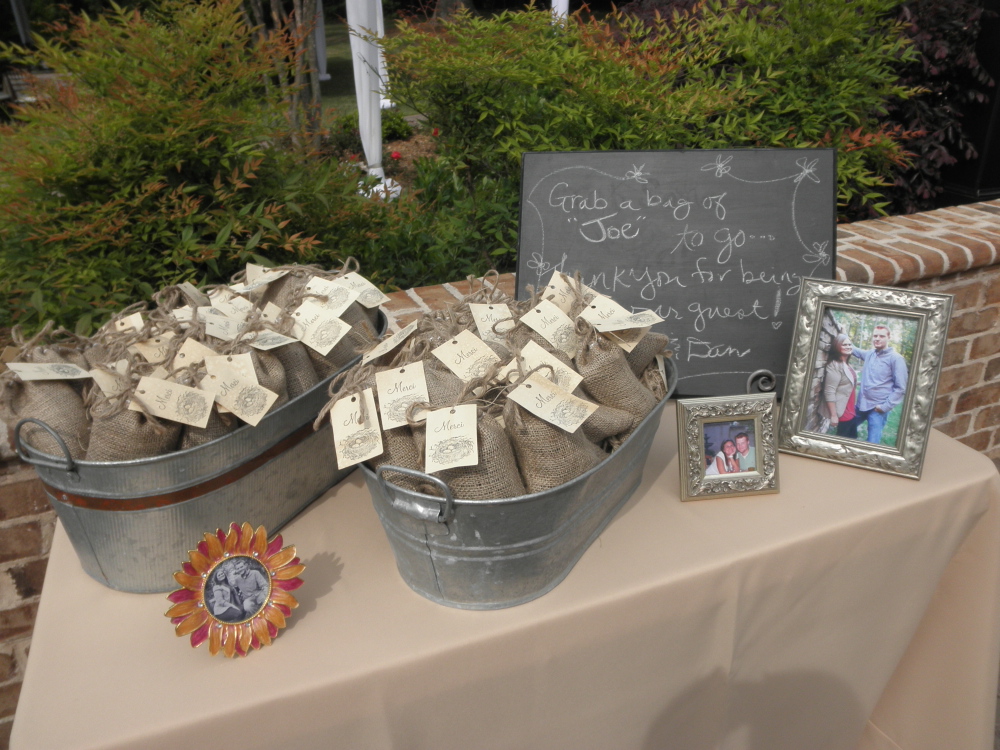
{"points": [[547, 455], [358, 340], [607, 422], [400, 450], [53, 402], [219, 425], [270, 375], [608, 379], [645, 351], [126, 435], [652, 379], [300, 375]]}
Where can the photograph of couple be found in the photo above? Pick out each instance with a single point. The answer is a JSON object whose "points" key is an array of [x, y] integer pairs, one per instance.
{"points": [[865, 377], [730, 447]]}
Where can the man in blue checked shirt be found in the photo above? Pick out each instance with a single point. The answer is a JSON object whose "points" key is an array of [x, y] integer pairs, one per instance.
{"points": [[883, 382]]}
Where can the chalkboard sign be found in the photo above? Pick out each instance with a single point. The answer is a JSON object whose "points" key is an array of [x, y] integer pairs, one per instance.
{"points": [[715, 242]]}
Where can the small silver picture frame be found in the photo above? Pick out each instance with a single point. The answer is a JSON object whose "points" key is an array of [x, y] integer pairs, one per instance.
{"points": [[899, 337], [727, 446]]}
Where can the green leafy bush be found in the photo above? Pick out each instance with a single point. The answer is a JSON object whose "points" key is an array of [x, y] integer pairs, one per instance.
{"points": [[163, 155], [753, 75], [345, 136]]}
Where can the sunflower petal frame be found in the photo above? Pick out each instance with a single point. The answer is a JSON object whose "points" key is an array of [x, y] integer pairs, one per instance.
{"points": [[190, 614]]}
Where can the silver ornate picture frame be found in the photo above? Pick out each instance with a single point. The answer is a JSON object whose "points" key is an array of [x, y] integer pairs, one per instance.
{"points": [[727, 446], [862, 375]]}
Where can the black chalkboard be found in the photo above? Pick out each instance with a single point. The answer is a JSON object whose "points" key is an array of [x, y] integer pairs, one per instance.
{"points": [[715, 242]]}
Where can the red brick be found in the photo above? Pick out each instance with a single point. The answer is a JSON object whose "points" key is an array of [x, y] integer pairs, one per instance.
{"points": [[988, 417], [973, 322], [985, 346], [992, 370], [955, 379], [979, 441], [911, 222], [982, 254], [18, 621], [404, 319], [943, 405], [844, 234], [28, 577], [398, 301], [435, 297], [985, 395], [8, 699], [21, 494], [955, 353], [967, 296], [867, 229], [8, 667], [852, 269], [992, 287], [956, 427], [21, 540], [934, 262]]}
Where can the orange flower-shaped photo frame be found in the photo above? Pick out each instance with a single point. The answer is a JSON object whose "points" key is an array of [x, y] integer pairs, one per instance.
{"points": [[235, 591]]}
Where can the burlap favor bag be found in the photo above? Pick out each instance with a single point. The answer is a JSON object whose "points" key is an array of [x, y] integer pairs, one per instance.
{"points": [[645, 351], [219, 425], [120, 434], [607, 377], [54, 402], [300, 375]]}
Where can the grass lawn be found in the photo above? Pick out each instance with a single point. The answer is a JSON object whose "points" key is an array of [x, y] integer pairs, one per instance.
{"points": [[338, 93]]}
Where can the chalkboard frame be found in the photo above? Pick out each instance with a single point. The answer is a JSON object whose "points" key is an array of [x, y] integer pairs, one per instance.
{"points": [[770, 374]]}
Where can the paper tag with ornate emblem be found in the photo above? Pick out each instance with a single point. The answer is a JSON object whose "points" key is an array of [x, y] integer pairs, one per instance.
{"points": [[387, 345], [397, 389], [130, 322], [369, 295], [356, 438], [192, 352], [452, 440], [603, 310], [644, 319], [564, 376], [486, 316], [332, 297], [54, 371], [233, 306], [563, 288], [166, 400], [466, 355], [234, 382], [155, 349], [112, 378], [548, 401], [318, 327], [267, 340], [553, 325]]}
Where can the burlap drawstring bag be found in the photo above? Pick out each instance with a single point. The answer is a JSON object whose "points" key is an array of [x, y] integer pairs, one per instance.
{"points": [[270, 373], [607, 378], [121, 434], [281, 291], [645, 351], [219, 425], [300, 375], [652, 379], [54, 402], [607, 422]]}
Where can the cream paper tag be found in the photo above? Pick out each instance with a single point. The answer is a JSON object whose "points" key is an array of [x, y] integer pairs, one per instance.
{"points": [[257, 276], [534, 356], [338, 297], [548, 401], [172, 401], [155, 349], [561, 286], [194, 295], [628, 339], [369, 295], [553, 325], [236, 389], [234, 307], [661, 366], [397, 389], [267, 340], [159, 372], [387, 345], [112, 379], [355, 439], [602, 308], [509, 372], [271, 313], [40, 371], [218, 324], [644, 319], [192, 352], [466, 355], [318, 327], [452, 440], [183, 314], [487, 315], [133, 321], [9, 355]]}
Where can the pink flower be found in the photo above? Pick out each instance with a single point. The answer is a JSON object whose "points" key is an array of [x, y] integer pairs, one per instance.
{"points": [[435, 132], [395, 155]]}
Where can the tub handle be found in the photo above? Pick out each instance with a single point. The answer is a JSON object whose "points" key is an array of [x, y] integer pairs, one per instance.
{"points": [[69, 465], [413, 508]]}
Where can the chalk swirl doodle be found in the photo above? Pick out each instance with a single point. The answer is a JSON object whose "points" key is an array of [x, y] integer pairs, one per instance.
{"points": [[359, 445], [819, 254], [251, 400], [720, 166], [451, 450], [192, 406]]}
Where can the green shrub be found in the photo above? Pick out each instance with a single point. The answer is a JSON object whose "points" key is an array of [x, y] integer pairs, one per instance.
{"points": [[345, 136], [163, 155], [802, 74]]}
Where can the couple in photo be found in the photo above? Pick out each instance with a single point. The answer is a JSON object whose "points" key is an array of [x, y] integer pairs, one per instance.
{"points": [[736, 455], [882, 385]]}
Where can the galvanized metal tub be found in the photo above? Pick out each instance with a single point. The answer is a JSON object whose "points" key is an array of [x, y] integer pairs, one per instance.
{"points": [[491, 554], [132, 522]]}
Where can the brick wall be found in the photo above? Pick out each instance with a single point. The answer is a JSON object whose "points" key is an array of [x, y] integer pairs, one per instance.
{"points": [[954, 250]]}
